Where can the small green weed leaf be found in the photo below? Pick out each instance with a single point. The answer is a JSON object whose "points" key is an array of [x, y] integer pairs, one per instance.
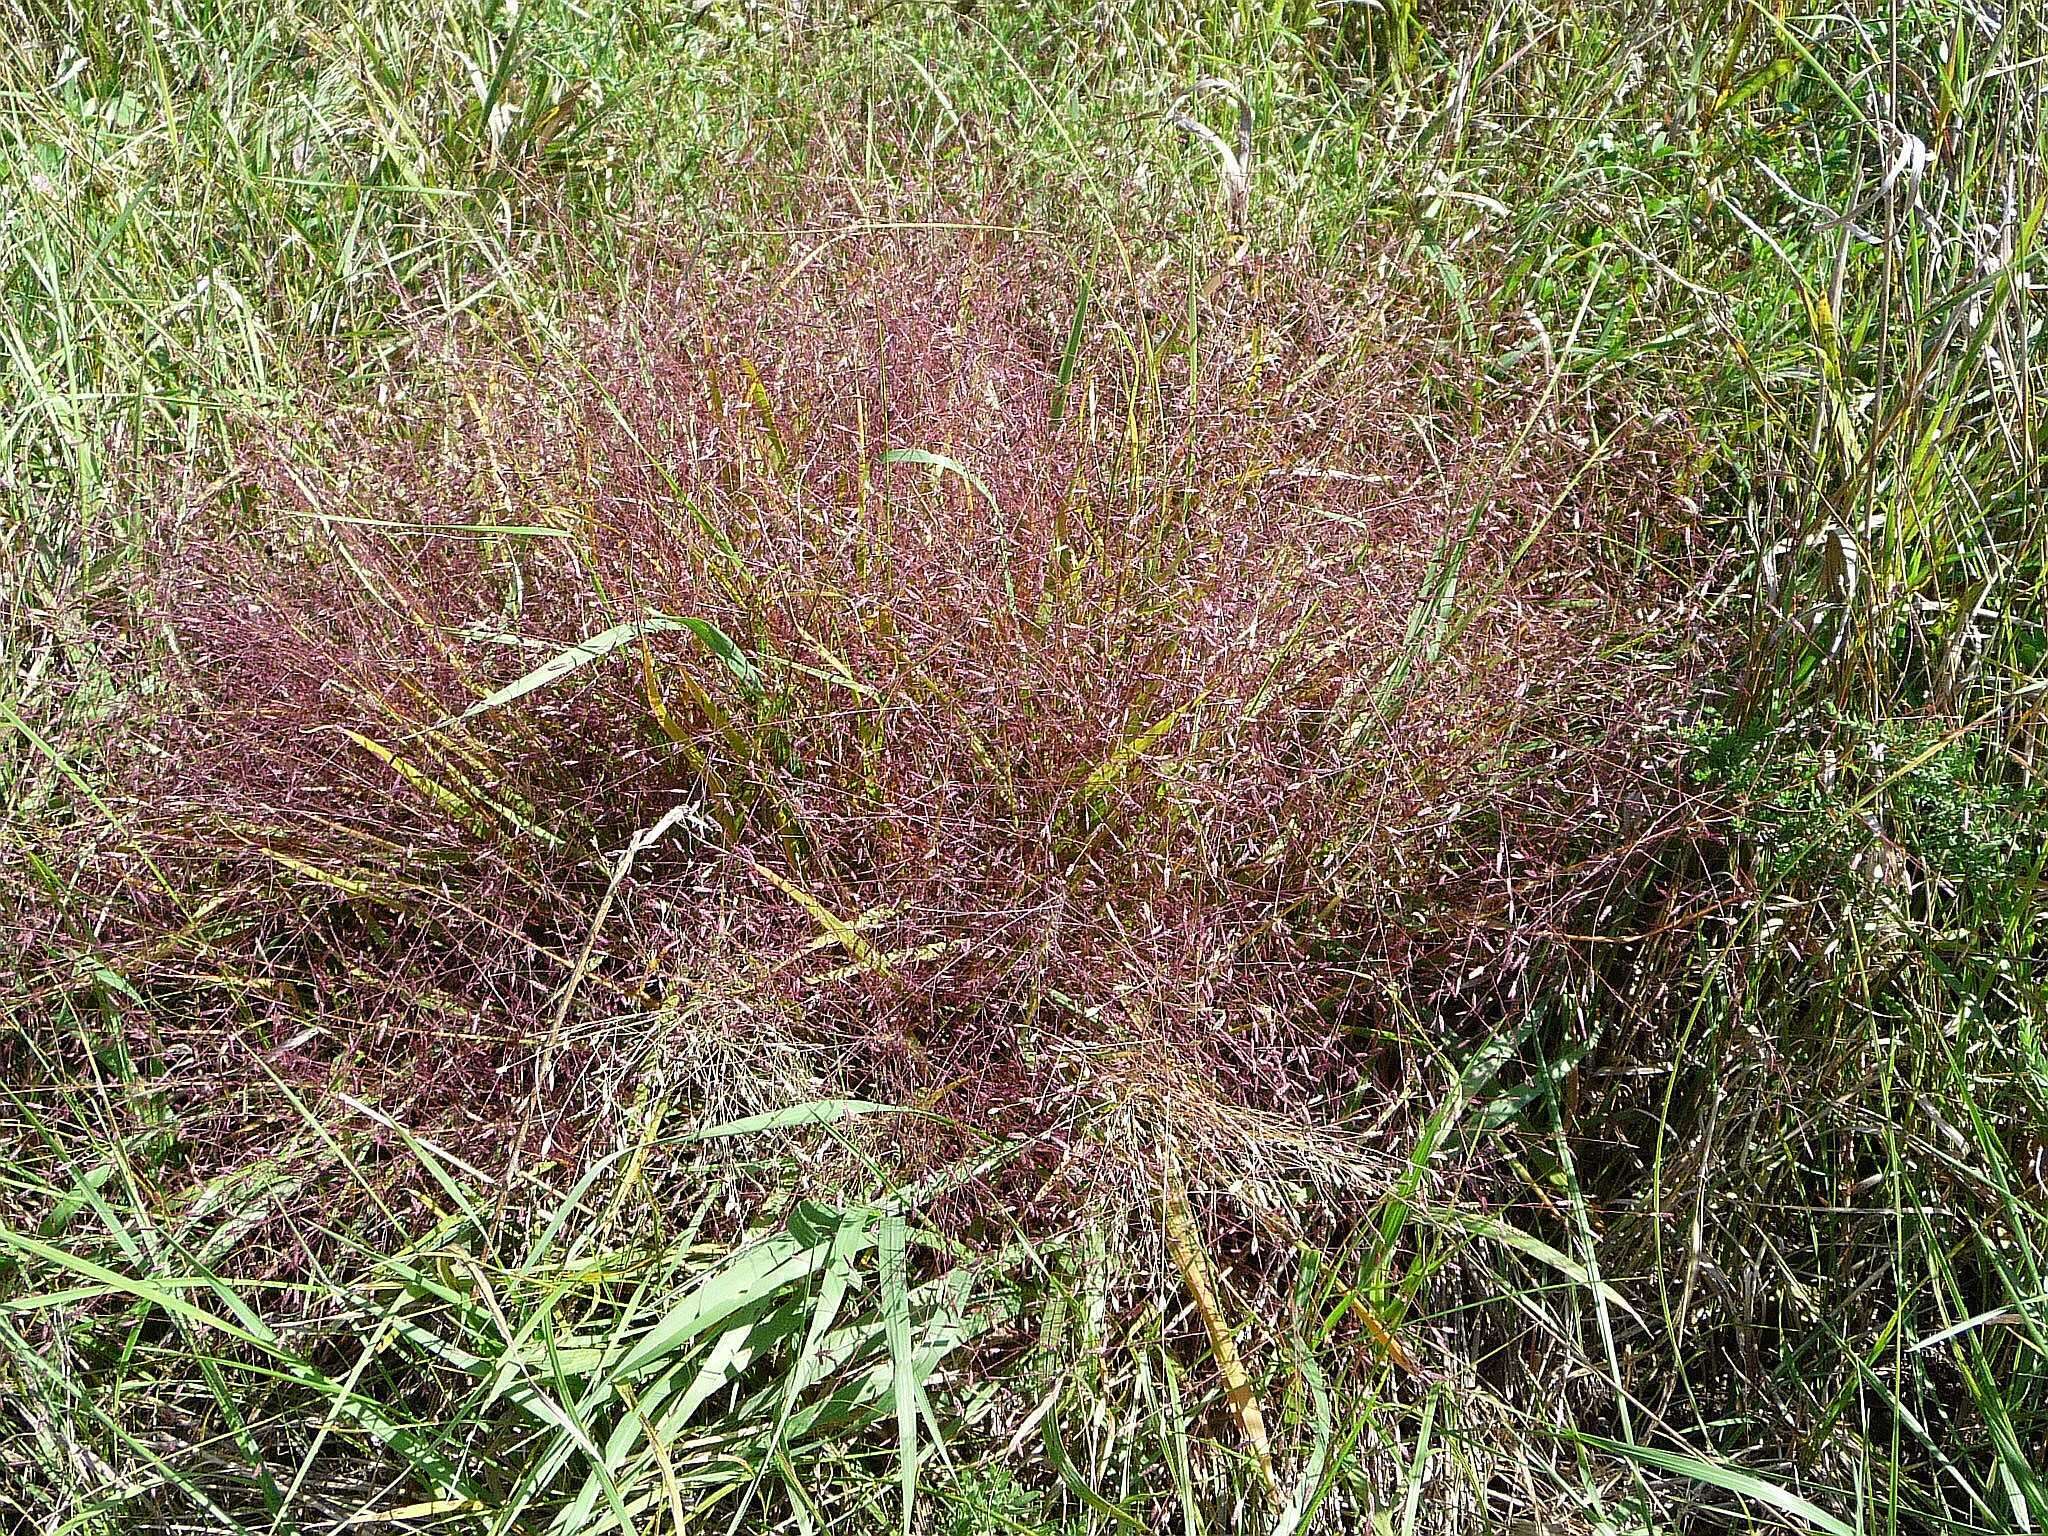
{"points": [[562, 663], [816, 1112], [941, 464], [1064, 383]]}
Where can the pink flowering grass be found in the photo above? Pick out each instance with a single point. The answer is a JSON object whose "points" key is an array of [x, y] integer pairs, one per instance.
{"points": [[1020, 752]]}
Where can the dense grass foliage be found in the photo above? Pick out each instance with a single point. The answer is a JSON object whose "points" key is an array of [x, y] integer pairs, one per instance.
{"points": [[1021, 768]]}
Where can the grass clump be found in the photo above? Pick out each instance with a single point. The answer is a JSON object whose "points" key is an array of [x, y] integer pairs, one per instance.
{"points": [[1020, 770], [1016, 757]]}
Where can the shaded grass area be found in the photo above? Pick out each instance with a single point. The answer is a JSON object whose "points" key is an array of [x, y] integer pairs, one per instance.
{"points": [[1671, 1157]]}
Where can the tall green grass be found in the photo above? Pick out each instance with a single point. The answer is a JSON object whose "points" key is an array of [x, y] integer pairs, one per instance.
{"points": [[1774, 1247]]}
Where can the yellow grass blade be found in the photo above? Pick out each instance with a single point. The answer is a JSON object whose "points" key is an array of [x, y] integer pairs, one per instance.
{"points": [[1185, 1244], [844, 932]]}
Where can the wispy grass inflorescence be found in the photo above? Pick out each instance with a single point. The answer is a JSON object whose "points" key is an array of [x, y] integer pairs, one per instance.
{"points": [[1030, 761]]}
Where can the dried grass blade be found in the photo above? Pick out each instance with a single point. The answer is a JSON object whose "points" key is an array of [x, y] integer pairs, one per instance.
{"points": [[1185, 1244]]}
